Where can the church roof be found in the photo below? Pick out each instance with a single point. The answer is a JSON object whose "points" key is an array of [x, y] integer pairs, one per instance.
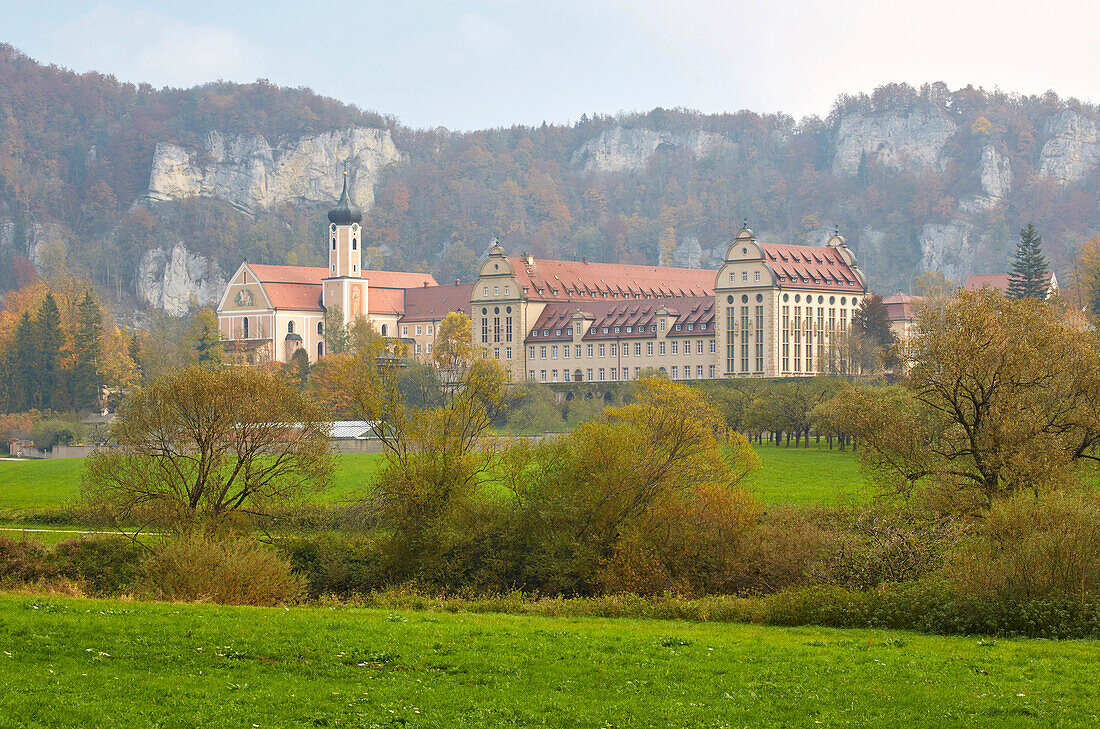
{"points": [[385, 301], [346, 212], [549, 280], [397, 279], [299, 287], [288, 274], [293, 296], [432, 303], [811, 267]]}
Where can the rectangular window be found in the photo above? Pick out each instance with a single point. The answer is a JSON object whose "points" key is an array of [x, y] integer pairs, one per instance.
{"points": [[496, 291], [430, 330], [542, 374], [507, 329], [565, 351], [430, 349], [757, 274], [637, 349], [614, 350], [554, 375], [530, 374], [404, 331], [786, 339], [843, 320], [661, 348], [496, 329], [486, 291], [713, 346], [577, 352], [496, 352], [589, 374], [712, 372], [602, 350], [808, 322], [507, 352], [759, 339], [530, 353], [601, 374], [745, 332], [820, 339], [542, 352], [614, 374], [485, 330], [649, 348], [637, 372], [699, 347], [589, 350], [744, 275], [731, 339], [733, 277], [418, 330], [418, 348], [798, 339], [674, 372], [554, 352], [676, 348]]}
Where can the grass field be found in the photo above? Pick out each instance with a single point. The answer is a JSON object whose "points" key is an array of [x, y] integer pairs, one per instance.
{"points": [[814, 475], [67, 662]]}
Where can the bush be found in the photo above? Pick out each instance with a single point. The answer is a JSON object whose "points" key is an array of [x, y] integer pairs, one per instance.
{"points": [[335, 565], [48, 433], [1035, 548], [24, 561], [227, 570], [104, 565]]}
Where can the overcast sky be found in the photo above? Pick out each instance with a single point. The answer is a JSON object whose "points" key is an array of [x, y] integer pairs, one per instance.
{"points": [[468, 65]]}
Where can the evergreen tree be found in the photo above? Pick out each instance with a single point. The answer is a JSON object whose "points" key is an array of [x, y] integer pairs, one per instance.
{"points": [[203, 331], [1029, 267], [50, 382], [87, 383], [23, 365]]}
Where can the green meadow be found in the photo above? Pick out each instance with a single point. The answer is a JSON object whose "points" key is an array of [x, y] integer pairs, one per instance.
{"points": [[788, 475], [67, 662]]}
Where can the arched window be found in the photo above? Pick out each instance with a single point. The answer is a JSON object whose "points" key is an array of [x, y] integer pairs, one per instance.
{"points": [[333, 267], [354, 244], [320, 350], [320, 327], [290, 327], [246, 327], [385, 329]]}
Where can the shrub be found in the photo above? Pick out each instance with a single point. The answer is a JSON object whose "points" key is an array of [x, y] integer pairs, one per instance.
{"points": [[227, 570], [24, 561], [105, 565], [335, 565], [1045, 549]]}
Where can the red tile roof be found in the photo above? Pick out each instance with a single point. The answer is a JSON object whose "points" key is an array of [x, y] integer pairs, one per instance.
{"points": [[556, 321], [288, 274], [432, 303], [385, 301], [811, 267], [397, 279], [995, 281], [902, 307], [549, 280], [296, 296]]}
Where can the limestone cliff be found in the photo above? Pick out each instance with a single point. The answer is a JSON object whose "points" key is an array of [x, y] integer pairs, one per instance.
{"points": [[905, 140], [249, 173], [177, 280], [1073, 149], [626, 150], [996, 172]]}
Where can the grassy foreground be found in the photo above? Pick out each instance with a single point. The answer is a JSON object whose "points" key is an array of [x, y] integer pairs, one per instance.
{"points": [[68, 662]]}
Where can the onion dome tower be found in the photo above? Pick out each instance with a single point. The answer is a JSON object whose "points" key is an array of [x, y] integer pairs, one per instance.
{"points": [[344, 287]]}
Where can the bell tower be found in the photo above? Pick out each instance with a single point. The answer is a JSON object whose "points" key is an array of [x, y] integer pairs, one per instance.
{"points": [[344, 286]]}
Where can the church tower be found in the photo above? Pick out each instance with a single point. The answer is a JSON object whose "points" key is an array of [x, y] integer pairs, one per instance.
{"points": [[344, 287]]}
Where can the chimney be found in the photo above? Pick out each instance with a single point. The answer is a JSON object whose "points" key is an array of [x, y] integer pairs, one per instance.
{"points": [[458, 281], [425, 284], [585, 259]]}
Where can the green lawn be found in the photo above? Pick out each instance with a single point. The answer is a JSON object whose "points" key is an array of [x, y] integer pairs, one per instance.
{"points": [[814, 475], [788, 475], [67, 662]]}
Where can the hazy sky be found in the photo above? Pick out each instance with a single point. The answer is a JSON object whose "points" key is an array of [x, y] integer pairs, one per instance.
{"points": [[467, 65]]}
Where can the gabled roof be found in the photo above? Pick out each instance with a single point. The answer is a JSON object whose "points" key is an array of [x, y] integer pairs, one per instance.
{"points": [[811, 267], [556, 322], [432, 303], [295, 296], [995, 281], [397, 279], [385, 301], [549, 280], [288, 274], [902, 307]]}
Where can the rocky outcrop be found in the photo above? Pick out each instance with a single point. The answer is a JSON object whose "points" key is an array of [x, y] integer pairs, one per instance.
{"points": [[905, 141], [1073, 150], [947, 248], [48, 246], [177, 280], [626, 150], [995, 172], [249, 173]]}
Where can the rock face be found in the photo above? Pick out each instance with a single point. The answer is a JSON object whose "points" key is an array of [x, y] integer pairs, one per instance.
{"points": [[995, 171], [47, 245], [947, 248], [906, 141], [1073, 149], [625, 150], [176, 280], [249, 173]]}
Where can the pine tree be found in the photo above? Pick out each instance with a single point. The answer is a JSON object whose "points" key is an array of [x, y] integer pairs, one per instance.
{"points": [[87, 381], [50, 390], [1029, 267]]}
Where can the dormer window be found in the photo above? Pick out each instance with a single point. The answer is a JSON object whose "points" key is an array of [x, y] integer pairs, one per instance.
{"points": [[629, 330], [677, 327]]}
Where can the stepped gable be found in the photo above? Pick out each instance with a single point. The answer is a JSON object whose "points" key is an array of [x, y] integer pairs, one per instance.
{"points": [[556, 321], [811, 267], [432, 303], [550, 280]]}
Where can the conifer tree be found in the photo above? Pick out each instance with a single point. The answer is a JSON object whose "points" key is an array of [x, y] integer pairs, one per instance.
{"points": [[87, 381], [23, 365], [1029, 267], [50, 387]]}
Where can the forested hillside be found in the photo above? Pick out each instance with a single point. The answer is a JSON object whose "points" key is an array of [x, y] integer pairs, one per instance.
{"points": [[154, 195]]}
